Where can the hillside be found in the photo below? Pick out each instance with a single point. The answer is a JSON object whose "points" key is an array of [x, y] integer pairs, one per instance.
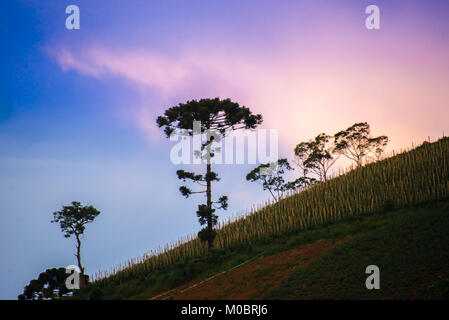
{"points": [[410, 246], [390, 213]]}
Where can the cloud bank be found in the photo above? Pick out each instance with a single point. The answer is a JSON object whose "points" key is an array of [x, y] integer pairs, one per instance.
{"points": [[301, 94]]}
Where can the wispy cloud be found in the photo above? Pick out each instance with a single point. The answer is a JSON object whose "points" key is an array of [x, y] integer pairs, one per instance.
{"points": [[143, 68], [297, 93]]}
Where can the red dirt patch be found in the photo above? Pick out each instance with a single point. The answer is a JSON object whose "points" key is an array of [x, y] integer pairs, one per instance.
{"points": [[253, 279]]}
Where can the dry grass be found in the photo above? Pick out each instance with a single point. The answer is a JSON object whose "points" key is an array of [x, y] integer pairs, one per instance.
{"points": [[405, 179]]}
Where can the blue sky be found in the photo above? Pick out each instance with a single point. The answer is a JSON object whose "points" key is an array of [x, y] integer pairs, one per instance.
{"points": [[62, 138], [77, 108]]}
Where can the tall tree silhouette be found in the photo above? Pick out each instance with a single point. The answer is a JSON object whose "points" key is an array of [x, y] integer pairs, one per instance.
{"points": [[214, 118]]}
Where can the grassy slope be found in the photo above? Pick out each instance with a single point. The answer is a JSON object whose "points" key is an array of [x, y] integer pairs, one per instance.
{"points": [[426, 172], [410, 246]]}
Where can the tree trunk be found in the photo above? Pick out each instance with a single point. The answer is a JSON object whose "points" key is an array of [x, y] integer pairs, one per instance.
{"points": [[78, 257], [210, 241]]}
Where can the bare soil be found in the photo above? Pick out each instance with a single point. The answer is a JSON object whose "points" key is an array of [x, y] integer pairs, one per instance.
{"points": [[253, 279]]}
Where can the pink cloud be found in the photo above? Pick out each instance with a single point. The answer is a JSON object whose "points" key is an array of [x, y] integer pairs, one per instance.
{"points": [[146, 69], [68, 61], [298, 93]]}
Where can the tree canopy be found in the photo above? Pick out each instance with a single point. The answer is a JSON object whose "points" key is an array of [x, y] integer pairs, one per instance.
{"points": [[356, 143], [49, 285], [317, 155], [215, 114], [271, 176]]}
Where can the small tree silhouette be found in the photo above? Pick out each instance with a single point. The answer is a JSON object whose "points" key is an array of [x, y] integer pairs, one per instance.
{"points": [[72, 220], [271, 176], [356, 143]]}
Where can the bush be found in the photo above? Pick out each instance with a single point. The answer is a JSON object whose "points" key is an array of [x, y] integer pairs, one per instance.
{"points": [[96, 294], [388, 205], [439, 290]]}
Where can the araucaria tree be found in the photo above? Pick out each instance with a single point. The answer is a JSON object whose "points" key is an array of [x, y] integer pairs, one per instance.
{"points": [[212, 118], [356, 143], [72, 220], [271, 176], [316, 155]]}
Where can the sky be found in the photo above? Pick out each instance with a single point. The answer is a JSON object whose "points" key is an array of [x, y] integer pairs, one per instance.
{"points": [[78, 107]]}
